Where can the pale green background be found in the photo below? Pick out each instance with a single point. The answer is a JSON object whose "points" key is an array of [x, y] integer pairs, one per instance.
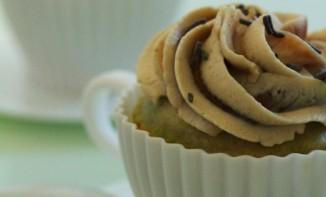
{"points": [[48, 154]]}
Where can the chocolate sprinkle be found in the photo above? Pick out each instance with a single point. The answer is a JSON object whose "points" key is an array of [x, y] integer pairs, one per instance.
{"points": [[198, 55], [190, 97], [269, 27], [314, 48], [243, 9], [295, 67], [276, 55], [245, 22], [245, 12], [258, 14], [321, 75]]}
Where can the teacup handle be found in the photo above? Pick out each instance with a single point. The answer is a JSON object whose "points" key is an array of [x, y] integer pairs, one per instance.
{"points": [[96, 103]]}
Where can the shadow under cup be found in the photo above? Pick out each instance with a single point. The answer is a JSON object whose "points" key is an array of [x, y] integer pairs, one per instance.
{"points": [[66, 42]]}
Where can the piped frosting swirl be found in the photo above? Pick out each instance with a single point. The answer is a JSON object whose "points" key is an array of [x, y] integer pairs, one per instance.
{"points": [[241, 70]]}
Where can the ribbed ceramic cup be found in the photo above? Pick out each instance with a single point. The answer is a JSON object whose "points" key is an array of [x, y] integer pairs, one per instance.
{"points": [[156, 168], [66, 42]]}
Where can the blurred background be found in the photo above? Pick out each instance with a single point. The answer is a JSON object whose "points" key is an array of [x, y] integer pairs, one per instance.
{"points": [[42, 138]]}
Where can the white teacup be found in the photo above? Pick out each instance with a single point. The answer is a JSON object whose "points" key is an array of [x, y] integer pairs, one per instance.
{"points": [[66, 42]]}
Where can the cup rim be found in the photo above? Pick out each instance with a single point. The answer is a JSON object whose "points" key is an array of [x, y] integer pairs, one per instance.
{"points": [[120, 113]]}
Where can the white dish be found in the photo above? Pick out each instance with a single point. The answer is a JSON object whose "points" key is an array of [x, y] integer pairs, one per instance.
{"points": [[121, 189], [51, 192], [19, 99]]}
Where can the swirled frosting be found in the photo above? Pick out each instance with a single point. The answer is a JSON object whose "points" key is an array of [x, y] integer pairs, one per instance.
{"points": [[239, 69]]}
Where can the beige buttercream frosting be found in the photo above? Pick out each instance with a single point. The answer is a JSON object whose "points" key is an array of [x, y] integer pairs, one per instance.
{"points": [[239, 69]]}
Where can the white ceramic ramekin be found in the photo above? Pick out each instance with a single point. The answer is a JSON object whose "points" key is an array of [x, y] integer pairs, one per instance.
{"points": [[159, 169]]}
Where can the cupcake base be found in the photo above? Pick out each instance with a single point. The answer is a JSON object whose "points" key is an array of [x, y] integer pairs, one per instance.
{"points": [[156, 168], [161, 120]]}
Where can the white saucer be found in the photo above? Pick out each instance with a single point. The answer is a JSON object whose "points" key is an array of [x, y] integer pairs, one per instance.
{"points": [[19, 100], [121, 189], [51, 192]]}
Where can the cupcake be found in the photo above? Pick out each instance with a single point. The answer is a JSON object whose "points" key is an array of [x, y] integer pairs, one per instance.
{"points": [[230, 102]]}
